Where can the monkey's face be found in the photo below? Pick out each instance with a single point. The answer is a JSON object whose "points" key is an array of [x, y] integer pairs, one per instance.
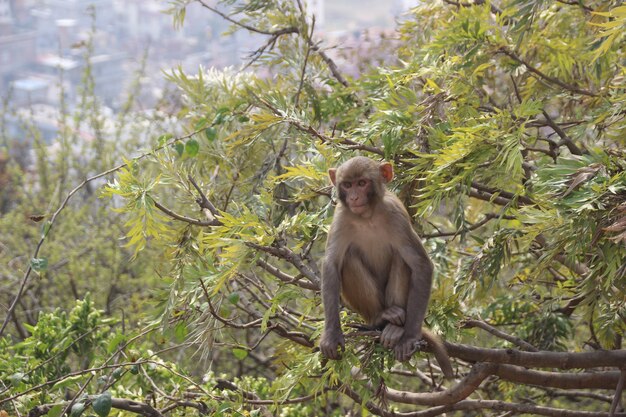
{"points": [[357, 195]]}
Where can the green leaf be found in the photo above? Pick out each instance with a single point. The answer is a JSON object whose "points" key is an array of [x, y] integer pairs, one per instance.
{"points": [[45, 228], [180, 148], [68, 381], [233, 298], [56, 411], [102, 404], [77, 410], [192, 147], [240, 354], [39, 264], [115, 341], [180, 331], [16, 378], [117, 373], [210, 133]]}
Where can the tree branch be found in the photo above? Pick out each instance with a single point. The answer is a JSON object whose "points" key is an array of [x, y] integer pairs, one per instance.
{"points": [[565, 139], [203, 201], [618, 393], [182, 218], [488, 217], [546, 77], [136, 407], [502, 335], [286, 278], [541, 359]]}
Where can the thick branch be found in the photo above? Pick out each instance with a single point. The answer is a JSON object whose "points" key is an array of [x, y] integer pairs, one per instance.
{"points": [[460, 391], [571, 380], [515, 408], [542, 359], [481, 371]]}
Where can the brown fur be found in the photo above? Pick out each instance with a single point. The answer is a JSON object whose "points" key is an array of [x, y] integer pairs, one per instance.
{"points": [[376, 261]]}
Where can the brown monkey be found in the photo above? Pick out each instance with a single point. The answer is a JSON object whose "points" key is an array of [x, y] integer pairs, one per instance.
{"points": [[376, 261]]}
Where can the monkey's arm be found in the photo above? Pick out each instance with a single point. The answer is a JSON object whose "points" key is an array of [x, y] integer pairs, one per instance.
{"points": [[332, 338]]}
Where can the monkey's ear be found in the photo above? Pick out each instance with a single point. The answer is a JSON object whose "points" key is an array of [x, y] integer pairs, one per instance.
{"points": [[386, 171], [332, 173]]}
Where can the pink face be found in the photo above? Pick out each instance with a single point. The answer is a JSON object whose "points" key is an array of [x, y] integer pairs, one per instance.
{"points": [[356, 194]]}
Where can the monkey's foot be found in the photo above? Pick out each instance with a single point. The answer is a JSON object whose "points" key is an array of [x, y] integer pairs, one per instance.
{"points": [[391, 335], [419, 345]]}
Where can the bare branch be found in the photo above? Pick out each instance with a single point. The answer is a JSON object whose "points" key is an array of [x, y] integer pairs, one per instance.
{"points": [[203, 201], [502, 335], [460, 391], [542, 359], [477, 225], [565, 139], [286, 278], [291, 257], [182, 218], [618, 393]]}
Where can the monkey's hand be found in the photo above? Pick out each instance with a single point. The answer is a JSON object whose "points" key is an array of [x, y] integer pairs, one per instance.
{"points": [[391, 335], [331, 343], [405, 348], [394, 315]]}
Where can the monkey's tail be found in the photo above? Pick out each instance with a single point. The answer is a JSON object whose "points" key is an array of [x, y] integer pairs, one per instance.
{"points": [[440, 352]]}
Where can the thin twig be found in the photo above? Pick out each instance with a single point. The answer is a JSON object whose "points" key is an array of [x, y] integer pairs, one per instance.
{"points": [[304, 65], [185, 219], [565, 139], [203, 201], [546, 77], [488, 217], [502, 335]]}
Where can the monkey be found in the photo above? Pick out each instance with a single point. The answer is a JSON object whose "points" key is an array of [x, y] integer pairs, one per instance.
{"points": [[375, 262]]}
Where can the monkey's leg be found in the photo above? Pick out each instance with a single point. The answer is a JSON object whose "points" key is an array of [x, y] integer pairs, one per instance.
{"points": [[396, 293], [359, 289]]}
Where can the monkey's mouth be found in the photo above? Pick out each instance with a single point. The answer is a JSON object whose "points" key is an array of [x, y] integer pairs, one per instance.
{"points": [[358, 207]]}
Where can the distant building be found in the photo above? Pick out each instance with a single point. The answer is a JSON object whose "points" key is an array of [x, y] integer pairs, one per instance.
{"points": [[28, 91], [77, 10]]}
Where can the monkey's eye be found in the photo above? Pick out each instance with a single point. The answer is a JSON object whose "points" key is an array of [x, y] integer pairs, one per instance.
{"points": [[346, 184], [362, 183]]}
